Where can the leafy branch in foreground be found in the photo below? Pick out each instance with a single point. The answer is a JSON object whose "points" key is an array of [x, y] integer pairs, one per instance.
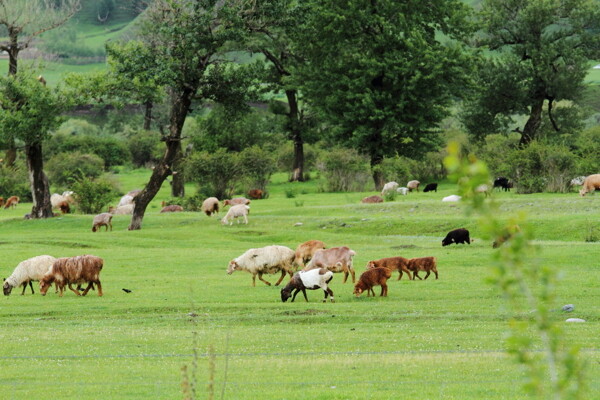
{"points": [[555, 369]]}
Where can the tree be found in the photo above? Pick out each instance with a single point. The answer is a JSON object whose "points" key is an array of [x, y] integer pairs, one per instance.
{"points": [[187, 36], [383, 72], [539, 52], [24, 21], [269, 23], [28, 112]]}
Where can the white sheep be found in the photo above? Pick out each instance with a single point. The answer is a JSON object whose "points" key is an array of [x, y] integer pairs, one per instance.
{"points": [[389, 187], [264, 260], [210, 206], [56, 199], [413, 185], [123, 210], [239, 210], [402, 190], [32, 269], [452, 198], [125, 200]]}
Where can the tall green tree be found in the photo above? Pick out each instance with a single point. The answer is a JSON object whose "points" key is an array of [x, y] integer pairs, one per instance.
{"points": [[29, 111], [383, 72], [187, 38], [539, 53]]}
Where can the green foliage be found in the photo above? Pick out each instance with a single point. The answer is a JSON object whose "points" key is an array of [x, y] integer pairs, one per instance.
{"points": [[220, 171], [65, 42], [15, 182], [396, 169], [496, 151], [344, 170], [93, 195], [257, 165], [112, 149], [65, 168], [285, 156], [144, 146], [290, 193], [587, 147]]}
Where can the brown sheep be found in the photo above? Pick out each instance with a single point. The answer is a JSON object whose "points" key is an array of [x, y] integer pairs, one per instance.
{"points": [[373, 277], [306, 251], [399, 264], [172, 208], [70, 270], [11, 202], [256, 194], [507, 234], [372, 199], [590, 184], [64, 207], [426, 264]]}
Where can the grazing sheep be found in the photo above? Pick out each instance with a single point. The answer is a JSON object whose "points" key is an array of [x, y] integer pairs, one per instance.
{"points": [[389, 187], [172, 208], [236, 201], [372, 199], [507, 234], [483, 188], [502, 183], [264, 260], [32, 269], [431, 187], [234, 212], [370, 278], [413, 185], [64, 207], [12, 202], [590, 184], [59, 199], [256, 194], [335, 259], [210, 206], [73, 270], [460, 235], [123, 210], [426, 264], [305, 252], [133, 193], [311, 280], [100, 220], [402, 190], [399, 264], [452, 198], [125, 200]]}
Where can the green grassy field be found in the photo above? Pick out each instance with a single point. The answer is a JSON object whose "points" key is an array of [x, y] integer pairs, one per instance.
{"points": [[428, 339]]}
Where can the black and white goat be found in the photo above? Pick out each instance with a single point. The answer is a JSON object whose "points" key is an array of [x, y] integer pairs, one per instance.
{"points": [[311, 280]]}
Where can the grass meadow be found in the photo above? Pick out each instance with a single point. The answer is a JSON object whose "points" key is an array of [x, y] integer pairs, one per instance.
{"points": [[428, 339]]}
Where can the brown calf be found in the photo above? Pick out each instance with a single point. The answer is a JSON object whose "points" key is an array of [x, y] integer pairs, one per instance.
{"points": [[373, 277], [427, 264], [399, 264]]}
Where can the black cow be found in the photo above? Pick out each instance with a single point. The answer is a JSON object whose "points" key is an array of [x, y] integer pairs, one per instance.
{"points": [[431, 187], [460, 235], [502, 183]]}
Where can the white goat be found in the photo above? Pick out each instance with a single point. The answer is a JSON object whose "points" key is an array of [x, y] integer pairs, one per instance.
{"points": [[264, 260], [32, 269], [239, 210]]}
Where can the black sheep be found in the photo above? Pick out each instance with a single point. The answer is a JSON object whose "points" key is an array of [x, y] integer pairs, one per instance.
{"points": [[431, 187], [460, 235]]}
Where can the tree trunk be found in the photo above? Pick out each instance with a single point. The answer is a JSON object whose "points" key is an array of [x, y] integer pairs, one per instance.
{"points": [[181, 102], [533, 123], [148, 115], [177, 184], [296, 135], [42, 208], [378, 177]]}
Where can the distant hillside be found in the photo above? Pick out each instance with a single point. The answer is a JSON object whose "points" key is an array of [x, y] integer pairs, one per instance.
{"points": [[109, 12]]}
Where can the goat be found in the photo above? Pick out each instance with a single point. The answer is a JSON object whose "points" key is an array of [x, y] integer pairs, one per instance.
{"points": [[311, 280]]}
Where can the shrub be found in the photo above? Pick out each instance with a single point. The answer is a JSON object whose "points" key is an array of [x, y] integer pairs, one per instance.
{"points": [[64, 168], [111, 149], [290, 193], [496, 152], [15, 182], [285, 157], [258, 165], [93, 195], [587, 147], [144, 147], [220, 171], [345, 170], [395, 169]]}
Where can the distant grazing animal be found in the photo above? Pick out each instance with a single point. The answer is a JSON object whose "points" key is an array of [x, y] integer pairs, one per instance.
{"points": [[41, 80], [11, 202], [32, 269], [399, 264], [73, 270], [370, 278], [452, 198], [389, 187], [236, 201], [57, 199], [264, 260], [256, 194], [372, 199], [590, 184], [502, 183], [126, 200], [123, 210], [426, 264], [305, 252], [1, 201], [239, 210], [483, 188], [431, 187], [64, 207], [507, 234], [402, 190], [460, 235], [311, 280], [133, 193], [172, 208], [335, 259], [100, 220], [210, 206], [413, 185]]}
